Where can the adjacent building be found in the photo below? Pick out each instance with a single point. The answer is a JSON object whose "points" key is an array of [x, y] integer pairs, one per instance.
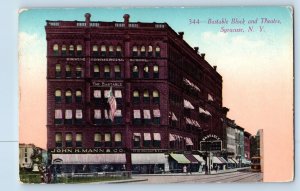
{"points": [[25, 153]]}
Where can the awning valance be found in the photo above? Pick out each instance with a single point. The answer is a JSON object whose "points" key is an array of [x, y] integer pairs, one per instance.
{"points": [[151, 158], [180, 158], [90, 158]]}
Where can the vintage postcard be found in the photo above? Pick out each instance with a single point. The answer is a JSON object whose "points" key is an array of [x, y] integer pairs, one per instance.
{"points": [[156, 95]]}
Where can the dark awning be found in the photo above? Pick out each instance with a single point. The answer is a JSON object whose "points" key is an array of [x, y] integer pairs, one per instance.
{"points": [[191, 158]]}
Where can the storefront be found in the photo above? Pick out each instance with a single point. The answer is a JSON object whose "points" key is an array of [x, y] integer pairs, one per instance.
{"points": [[178, 163], [149, 163]]}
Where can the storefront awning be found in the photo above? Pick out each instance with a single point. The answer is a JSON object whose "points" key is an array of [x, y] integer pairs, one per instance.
{"points": [[216, 160], [149, 158], [231, 161], [180, 158], [222, 159], [235, 161], [90, 158], [191, 158], [200, 159]]}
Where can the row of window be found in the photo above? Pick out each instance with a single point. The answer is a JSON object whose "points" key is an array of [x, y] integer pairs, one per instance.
{"points": [[104, 51], [146, 97], [68, 96], [68, 71], [68, 118]]}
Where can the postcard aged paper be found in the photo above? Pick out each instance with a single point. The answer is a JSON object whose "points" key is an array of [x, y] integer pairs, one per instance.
{"points": [[190, 95]]}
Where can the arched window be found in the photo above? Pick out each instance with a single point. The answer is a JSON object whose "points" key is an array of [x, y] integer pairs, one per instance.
{"points": [[150, 50], [119, 51], [63, 50], [146, 71], [95, 50], [111, 51], [97, 140], [155, 96], [78, 139], [103, 50], [117, 71], [68, 96], [96, 71], [146, 97], [58, 140], [57, 96], [78, 94], [143, 51], [78, 71], [118, 139], [157, 51], [55, 49], [135, 71], [71, 50], [136, 97], [68, 71], [69, 140], [106, 71], [134, 51], [155, 71], [79, 50], [57, 70]]}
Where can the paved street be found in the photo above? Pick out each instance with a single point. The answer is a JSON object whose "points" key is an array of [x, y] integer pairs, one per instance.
{"points": [[200, 178]]}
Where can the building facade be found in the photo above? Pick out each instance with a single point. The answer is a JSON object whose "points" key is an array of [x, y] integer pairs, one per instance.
{"points": [[25, 153], [168, 98], [247, 138]]}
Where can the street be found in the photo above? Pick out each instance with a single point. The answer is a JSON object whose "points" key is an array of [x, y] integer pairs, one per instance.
{"points": [[245, 176]]}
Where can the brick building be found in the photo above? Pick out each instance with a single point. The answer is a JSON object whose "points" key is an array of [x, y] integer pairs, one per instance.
{"points": [[247, 137], [169, 99]]}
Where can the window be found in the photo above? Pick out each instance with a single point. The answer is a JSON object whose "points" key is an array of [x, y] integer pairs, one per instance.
{"points": [[147, 140], [118, 117], [57, 71], [119, 51], [78, 96], [107, 120], [69, 140], [155, 71], [79, 50], [106, 71], [107, 140], [97, 116], [134, 51], [146, 71], [78, 139], [68, 71], [157, 140], [156, 116], [78, 116], [117, 71], [55, 49], [118, 139], [111, 51], [97, 96], [68, 117], [58, 140], [71, 50], [135, 71], [150, 51], [58, 117], [96, 71], [63, 50], [155, 96], [97, 140], [147, 117], [118, 96], [136, 140], [78, 71], [157, 51], [95, 50], [136, 97], [143, 51], [68, 96], [57, 96], [146, 98], [136, 117], [103, 50]]}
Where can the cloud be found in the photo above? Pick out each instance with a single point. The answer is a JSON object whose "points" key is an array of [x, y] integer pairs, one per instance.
{"points": [[213, 37]]}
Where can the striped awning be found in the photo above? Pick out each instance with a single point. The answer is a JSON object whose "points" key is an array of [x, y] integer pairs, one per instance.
{"points": [[188, 104], [180, 158], [216, 160], [188, 141], [200, 159], [90, 158]]}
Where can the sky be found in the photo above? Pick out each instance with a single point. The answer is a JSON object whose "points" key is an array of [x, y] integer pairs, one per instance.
{"points": [[257, 68]]}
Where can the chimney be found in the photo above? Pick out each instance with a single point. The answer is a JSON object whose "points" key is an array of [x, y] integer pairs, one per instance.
{"points": [[215, 67], [203, 55], [126, 19], [196, 49], [181, 34], [87, 19]]}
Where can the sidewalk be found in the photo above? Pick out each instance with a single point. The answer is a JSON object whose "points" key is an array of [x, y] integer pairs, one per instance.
{"points": [[121, 181]]}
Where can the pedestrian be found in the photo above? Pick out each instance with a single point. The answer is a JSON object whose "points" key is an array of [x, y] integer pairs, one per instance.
{"points": [[184, 169]]}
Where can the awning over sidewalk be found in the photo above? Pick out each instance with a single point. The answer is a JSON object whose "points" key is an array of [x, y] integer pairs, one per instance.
{"points": [[235, 161], [216, 160], [180, 158], [151, 158], [191, 158], [231, 161], [200, 159], [245, 161], [222, 159], [90, 158]]}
